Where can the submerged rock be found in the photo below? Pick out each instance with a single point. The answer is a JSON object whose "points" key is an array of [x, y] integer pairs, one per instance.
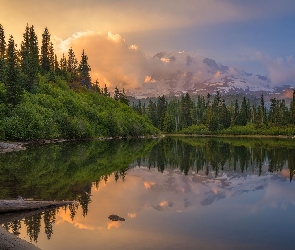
{"points": [[114, 217]]}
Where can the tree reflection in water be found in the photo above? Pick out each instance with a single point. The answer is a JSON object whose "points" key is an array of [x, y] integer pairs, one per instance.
{"points": [[70, 171]]}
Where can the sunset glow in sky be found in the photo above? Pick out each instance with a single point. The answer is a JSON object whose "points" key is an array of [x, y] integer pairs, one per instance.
{"points": [[257, 36]]}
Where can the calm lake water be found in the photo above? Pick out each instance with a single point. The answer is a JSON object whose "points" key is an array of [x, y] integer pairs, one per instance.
{"points": [[174, 193]]}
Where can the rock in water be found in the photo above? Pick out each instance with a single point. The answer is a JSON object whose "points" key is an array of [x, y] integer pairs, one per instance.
{"points": [[114, 217]]}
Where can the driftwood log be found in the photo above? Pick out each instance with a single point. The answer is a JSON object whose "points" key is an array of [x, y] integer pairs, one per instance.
{"points": [[11, 206]]}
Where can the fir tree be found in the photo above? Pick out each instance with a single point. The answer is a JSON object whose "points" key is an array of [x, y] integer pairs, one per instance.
{"points": [[186, 110], [123, 97], [116, 94], [2, 53], [52, 58], [45, 52], [72, 66], [96, 87], [63, 65], [72, 63], [292, 109], [105, 90], [84, 70], [12, 79], [30, 58]]}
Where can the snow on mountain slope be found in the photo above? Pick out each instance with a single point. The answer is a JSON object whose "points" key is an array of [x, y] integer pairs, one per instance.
{"points": [[181, 72]]}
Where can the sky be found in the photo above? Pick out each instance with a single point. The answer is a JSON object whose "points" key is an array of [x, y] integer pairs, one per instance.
{"points": [[255, 35]]}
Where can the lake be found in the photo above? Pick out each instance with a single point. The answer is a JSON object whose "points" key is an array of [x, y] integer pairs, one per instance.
{"points": [[170, 193]]}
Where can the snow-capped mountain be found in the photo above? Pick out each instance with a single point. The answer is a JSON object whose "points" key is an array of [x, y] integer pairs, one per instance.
{"points": [[176, 73]]}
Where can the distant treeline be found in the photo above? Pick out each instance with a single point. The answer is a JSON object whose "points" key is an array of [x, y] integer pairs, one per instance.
{"points": [[43, 97], [211, 115]]}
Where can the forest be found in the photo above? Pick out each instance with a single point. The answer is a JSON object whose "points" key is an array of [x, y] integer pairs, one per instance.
{"points": [[42, 97], [211, 115]]}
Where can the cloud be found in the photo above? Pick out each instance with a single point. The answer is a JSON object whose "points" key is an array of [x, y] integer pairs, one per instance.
{"points": [[114, 224], [148, 185], [132, 16], [132, 215], [112, 61], [280, 70]]}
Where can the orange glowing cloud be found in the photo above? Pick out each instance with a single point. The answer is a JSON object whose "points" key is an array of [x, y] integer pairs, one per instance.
{"points": [[163, 204], [214, 190], [65, 217], [114, 224], [148, 185], [132, 215], [149, 79], [217, 74], [113, 62]]}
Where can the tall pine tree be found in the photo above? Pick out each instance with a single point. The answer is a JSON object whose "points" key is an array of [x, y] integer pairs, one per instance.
{"points": [[12, 79], [45, 51], [30, 58], [2, 52], [84, 71]]}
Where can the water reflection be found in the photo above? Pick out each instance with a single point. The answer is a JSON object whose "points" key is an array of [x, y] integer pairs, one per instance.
{"points": [[179, 192]]}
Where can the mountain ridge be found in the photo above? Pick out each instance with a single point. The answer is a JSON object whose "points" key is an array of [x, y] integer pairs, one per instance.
{"points": [[183, 72]]}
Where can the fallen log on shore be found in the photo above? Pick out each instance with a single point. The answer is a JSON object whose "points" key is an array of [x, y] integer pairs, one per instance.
{"points": [[13, 206]]}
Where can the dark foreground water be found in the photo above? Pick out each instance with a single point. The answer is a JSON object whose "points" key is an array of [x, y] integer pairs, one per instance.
{"points": [[184, 193]]}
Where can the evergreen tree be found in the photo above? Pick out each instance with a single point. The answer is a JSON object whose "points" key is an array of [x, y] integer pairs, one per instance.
{"points": [[236, 113], [116, 94], [45, 52], [168, 124], [292, 109], [152, 113], [186, 110], [243, 114], [263, 111], [161, 109], [30, 58], [12, 75], [123, 97], [225, 117], [56, 65], [52, 57], [105, 90], [63, 65], [2, 53], [72, 63], [84, 70], [96, 87]]}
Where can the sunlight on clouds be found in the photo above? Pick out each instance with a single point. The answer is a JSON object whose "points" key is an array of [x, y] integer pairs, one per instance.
{"points": [[166, 60], [215, 190], [163, 204], [132, 215], [134, 47], [217, 74], [149, 79], [115, 37], [114, 224], [148, 185], [63, 217]]}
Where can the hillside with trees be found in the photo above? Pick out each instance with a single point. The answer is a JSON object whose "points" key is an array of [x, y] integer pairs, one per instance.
{"points": [[42, 97]]}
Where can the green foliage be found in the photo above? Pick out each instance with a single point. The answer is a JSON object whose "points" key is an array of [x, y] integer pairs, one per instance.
{"points": [[59, 112]]}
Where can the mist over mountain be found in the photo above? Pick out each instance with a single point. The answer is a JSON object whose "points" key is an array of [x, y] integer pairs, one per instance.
{"points": [[181, 72]]}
